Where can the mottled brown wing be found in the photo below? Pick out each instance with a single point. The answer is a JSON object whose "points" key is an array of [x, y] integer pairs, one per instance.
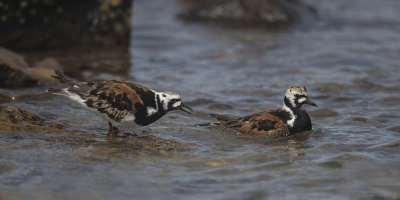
{"points": [[264, 123], [114, 98]]}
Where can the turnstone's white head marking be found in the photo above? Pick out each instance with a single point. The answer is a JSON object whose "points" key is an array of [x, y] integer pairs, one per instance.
{"points": [[172, 101], [297, 96]]}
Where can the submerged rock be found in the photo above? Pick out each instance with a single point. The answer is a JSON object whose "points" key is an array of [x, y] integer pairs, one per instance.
{"points": [[14, 116], [84, 62], [16, 120], [15, 72], [246, 12], [19, 121]]}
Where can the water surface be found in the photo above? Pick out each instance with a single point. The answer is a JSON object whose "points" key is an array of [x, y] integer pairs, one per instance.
{"points": [[347, 57]]}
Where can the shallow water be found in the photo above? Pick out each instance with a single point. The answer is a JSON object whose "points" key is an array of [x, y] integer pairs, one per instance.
{"points": [[348, 58]]}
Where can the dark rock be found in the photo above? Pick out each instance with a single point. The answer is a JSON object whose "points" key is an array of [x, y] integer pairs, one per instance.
{"points": [[14, 72], [246, 12], [84, 62], [16, 120], [30, 24]]}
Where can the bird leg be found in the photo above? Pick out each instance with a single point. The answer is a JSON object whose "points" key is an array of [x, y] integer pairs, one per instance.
{"points": [[112, 130]]}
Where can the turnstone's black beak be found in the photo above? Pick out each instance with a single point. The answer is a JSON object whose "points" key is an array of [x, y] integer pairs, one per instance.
{"points": [[183, 107], [311, 103]]}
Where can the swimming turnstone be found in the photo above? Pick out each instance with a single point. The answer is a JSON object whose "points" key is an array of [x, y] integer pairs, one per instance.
{"points": [[120, 101], [289, 119]]}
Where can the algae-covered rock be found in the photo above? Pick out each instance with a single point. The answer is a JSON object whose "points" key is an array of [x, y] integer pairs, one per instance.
{"points": [[14, 115], [246, 12], [37, 24]]}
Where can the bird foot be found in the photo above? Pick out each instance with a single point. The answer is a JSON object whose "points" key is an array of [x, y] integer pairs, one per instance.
{"points": [[112, 131]]}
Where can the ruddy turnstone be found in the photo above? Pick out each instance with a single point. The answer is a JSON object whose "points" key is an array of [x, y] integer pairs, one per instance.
{"points": [[289, 119], [120, 101]]}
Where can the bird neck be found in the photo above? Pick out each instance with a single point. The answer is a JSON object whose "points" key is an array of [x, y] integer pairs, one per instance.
{"points": [[291, 105], [161, 107], [292, 110], [151, 111], [297, 120]]}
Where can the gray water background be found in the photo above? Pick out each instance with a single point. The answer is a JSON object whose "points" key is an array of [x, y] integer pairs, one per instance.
{"points": [[347, 57]]}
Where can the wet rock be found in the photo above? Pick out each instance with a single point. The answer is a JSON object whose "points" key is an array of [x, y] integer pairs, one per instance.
{"points": [[58, 125], [322, 113], [15, 120], [85, 62], [15, 115], [15, 72], [12, 70], [46, 24], [246, 12]]}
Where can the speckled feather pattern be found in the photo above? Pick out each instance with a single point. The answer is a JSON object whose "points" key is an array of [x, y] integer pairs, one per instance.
{"points": [[119, 100], [263, 123], [288, 119], [116, 99]]}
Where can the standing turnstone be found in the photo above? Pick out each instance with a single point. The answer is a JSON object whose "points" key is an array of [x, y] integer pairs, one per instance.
{"points": [[288, 119], [120, 101]]}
